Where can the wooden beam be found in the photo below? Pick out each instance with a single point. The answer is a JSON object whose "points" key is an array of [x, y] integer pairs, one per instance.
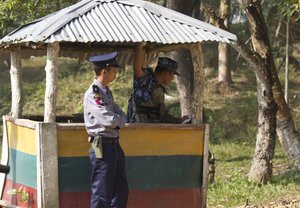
{"points": [[104, 47], [166, 48], [16, 82], [51, 82]]}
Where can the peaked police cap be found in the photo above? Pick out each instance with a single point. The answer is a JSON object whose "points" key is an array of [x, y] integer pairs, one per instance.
{"points": [[104, 60]]}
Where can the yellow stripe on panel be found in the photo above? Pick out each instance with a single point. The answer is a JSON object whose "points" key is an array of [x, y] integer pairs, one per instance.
{"points": [[146, 142], [21, 138], [72, 142], [137, 142]]}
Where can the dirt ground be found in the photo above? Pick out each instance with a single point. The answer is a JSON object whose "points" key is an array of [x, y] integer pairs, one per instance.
{"points": [[284, 203]]}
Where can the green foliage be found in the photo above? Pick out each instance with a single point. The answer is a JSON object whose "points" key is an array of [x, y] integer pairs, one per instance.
{"points": [[290, 8], [14, 13]]}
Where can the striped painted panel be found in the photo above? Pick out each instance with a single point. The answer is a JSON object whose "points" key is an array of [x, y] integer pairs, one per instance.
{"points": [[23, 164], [159, 163]]}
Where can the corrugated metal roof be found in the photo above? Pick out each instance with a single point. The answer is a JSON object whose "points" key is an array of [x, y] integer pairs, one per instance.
{"points": [[118, 21]]}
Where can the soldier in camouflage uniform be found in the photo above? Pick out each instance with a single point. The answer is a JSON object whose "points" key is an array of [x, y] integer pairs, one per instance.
{"points": [[148, 102]]}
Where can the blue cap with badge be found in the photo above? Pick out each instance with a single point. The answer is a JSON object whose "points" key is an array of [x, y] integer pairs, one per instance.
{"points": [[165, 63], [104, 60]]}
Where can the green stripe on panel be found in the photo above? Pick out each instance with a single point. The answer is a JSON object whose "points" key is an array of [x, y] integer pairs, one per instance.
{"points": [[143, 172], [161, 172], [74, 174], [22, 168]]}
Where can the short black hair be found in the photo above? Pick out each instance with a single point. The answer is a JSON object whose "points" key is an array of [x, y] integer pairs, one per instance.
{"points": [[99, 69]]}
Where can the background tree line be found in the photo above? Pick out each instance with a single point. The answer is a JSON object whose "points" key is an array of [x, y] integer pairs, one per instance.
{"points": [[267, 20]]}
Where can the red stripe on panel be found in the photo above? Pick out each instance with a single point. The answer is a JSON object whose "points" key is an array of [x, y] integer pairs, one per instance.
{"points": [[74, 199], [15, 199], [165, 198]]}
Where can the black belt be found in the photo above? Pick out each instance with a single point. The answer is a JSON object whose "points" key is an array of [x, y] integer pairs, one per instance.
{"points": [[106, 140]]}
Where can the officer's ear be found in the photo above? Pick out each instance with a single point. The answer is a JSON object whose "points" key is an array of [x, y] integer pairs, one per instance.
{"points": [[103, 70], [106, 69]]}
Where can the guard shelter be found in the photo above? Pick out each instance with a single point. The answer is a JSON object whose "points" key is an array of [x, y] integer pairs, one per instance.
{"points": [[166, 163]]}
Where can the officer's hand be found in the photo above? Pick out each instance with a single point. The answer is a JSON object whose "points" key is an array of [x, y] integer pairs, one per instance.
{"points": [[186, 119]]}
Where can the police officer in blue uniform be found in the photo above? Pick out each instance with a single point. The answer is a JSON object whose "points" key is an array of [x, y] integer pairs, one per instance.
{"points": [[103, 119]]}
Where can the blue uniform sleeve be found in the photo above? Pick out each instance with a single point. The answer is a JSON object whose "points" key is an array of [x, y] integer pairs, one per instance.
{"points": [[103, 114], [143, 86]]}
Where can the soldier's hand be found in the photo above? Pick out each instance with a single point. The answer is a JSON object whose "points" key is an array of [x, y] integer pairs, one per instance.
{"points": [[140, 45], [186, 119]]}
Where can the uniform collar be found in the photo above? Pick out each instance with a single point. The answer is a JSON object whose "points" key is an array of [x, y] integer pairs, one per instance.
{"points": [[101, 87], [163, 87]]}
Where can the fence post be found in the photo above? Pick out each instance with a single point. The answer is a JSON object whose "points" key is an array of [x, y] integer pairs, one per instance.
{"points": [[47, 166]]}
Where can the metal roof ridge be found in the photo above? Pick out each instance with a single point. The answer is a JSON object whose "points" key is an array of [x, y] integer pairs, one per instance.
{"points": [[175, 16]]}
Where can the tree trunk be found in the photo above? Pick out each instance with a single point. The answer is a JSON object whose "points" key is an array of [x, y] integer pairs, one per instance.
{"points": [[51, 82], [16, 82], [224, 50], [287, 135], [186, 83], [261, 169], [286, 77], [285, 128]]}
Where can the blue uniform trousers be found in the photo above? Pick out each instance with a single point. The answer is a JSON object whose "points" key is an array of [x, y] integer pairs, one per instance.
{"points": [[109, 182]]}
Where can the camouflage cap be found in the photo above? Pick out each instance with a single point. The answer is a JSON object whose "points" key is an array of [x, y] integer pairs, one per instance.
{"points": [[165, 63]]}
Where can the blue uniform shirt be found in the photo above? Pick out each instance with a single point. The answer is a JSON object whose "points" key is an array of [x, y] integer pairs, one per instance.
{"points": [[101, 115], [143, 86]]}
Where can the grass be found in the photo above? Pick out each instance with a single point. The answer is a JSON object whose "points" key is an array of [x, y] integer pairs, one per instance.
{"points": [[231, 186], [232, 117]]}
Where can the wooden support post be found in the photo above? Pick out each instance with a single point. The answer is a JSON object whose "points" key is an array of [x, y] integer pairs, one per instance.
{"points": [[51, 82], [4, 155], [16, 82], [47, 165], [205, 166], [197, 57]]}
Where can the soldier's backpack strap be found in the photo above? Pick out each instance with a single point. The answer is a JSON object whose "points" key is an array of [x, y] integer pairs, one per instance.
{"points": [[131, 108]]}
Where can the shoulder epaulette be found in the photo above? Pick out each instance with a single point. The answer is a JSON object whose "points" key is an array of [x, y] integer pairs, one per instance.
{"points": [[96, 89]]}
